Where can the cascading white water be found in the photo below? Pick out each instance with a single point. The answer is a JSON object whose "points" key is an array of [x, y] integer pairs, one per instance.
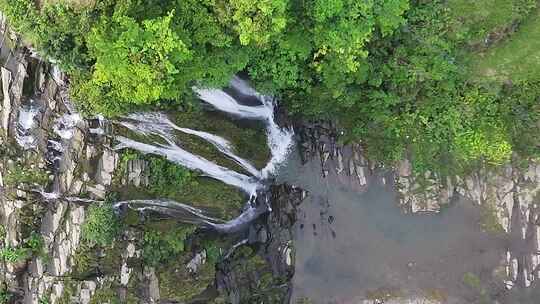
{"points": [[279, 140], [197, 216], [226, 103], [65, 125], [157, 124], [169, 207], [162, 122], [179, 156], [25, 124]]}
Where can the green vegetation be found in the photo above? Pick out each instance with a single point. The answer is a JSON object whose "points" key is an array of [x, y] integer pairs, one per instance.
{"points": [[32, 246], [517, 58], [471, 280], [475, 284], [165, 178], [5, 296], [450, 84], [101, 225], [19, 175], [476, 21], [169, 180], [13, 254], [161, 246], [44, 300], [106, 294], [91, 259], [250, 143], [253, 275], [394, 73]]}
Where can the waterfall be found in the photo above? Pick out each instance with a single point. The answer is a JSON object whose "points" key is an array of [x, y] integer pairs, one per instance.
{"points": [[162, 122], [179, 156], [25, 124], [242, 221], [157, 124], [196, 216], [65, 125], [226, 103], [168, 207], [279, 140]]}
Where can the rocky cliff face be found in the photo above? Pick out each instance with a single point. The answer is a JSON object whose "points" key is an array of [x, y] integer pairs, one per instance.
{"points": [[47, 152]]}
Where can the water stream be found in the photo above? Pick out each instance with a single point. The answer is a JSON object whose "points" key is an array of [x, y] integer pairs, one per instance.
{"points": [[279, 139], [149, 124], [25, 125], [350, 243]]}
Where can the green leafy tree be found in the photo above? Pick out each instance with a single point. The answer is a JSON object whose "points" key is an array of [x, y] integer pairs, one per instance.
{"points": [[256, 22], [135, 63]]}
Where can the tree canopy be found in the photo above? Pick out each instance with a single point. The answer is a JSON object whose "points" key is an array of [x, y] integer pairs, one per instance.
{"points": [[394, 73]]}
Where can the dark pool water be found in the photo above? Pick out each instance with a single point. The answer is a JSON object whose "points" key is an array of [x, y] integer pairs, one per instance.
{"points": [[350, 245]]}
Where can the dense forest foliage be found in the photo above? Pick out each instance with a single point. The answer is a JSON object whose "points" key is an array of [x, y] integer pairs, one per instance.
{"points": [[399, 75]]}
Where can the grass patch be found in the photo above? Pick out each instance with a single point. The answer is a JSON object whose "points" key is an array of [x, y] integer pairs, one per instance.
{"points": [[101, 226], [20, 175], [476, 21], [216, 198], [72, 3], [32, 246], [162, 245], [516, 58]]}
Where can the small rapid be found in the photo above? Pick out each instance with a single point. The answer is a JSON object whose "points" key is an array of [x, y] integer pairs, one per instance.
{"points": [[174, 153], [162, 122]]}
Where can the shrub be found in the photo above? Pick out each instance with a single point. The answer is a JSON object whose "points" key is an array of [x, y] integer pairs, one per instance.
{"points": [[19, 175], [160, 247], [101, 225], [32, 246], [166, 178], [14, 254], [5, 296]]}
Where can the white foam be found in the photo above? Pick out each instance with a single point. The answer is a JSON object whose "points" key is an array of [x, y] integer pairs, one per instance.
{"points": [[280, 140], [162, 122], [65, 125], [25, 124]]}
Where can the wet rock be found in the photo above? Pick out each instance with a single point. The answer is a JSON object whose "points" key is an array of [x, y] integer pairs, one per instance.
{"points": [[344, 161], [97, 191], [61, 155], [106, 166], [6, 102], [137, 173], [196, 262], [237, 276], [152, 285]]}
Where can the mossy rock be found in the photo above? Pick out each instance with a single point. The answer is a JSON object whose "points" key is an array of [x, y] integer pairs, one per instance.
{"points": [[177, 284]]}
